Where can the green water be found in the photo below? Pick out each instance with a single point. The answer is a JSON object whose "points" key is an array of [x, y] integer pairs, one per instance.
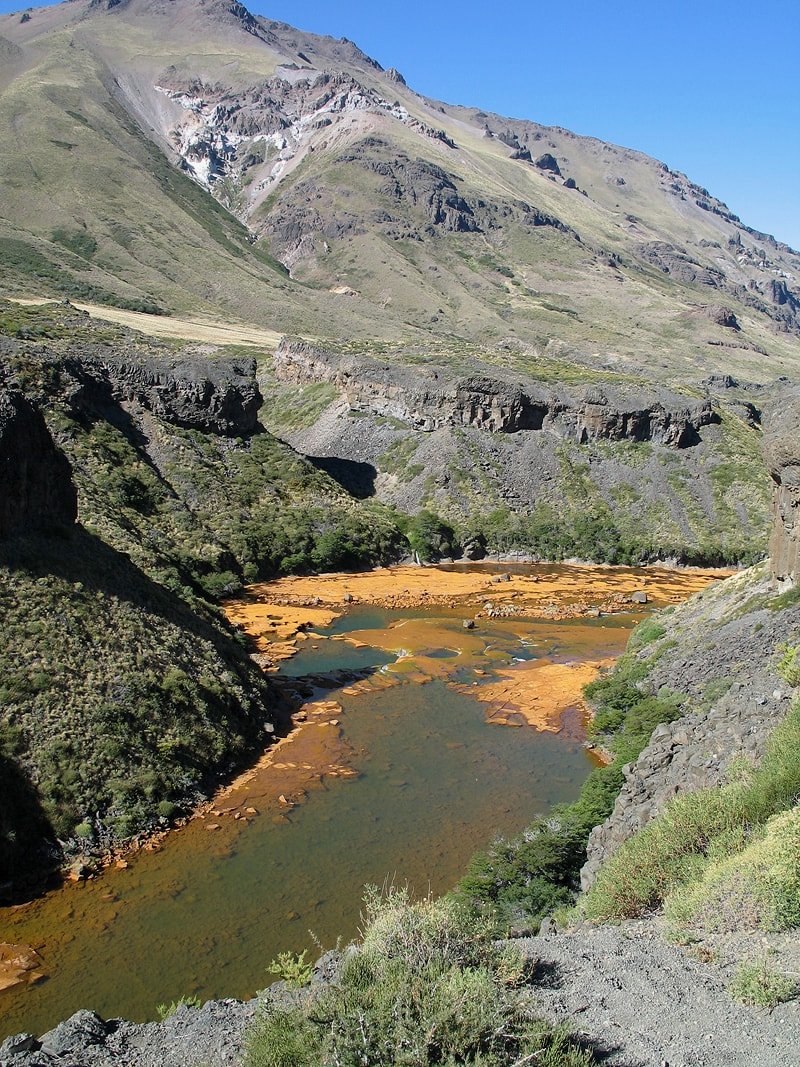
{"points": [[435, 783]]}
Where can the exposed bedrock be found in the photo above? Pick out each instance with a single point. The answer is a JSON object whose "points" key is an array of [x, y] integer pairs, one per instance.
{"points": [[430, 398], [216, 396], [725, 641], [37, 489], [782, 453]]}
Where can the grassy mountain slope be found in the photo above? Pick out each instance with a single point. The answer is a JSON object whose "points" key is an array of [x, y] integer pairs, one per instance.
{"points": [[395, 215]]}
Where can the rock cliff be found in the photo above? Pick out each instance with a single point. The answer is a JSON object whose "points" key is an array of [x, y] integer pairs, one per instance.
{"points": [[217, 396], [38, 493], [432, 398], [782, 451], [719, 650]]}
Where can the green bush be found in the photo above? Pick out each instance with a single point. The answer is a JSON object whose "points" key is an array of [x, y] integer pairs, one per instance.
{"points": [[425, 987], [165, 1010], [756, 983], [591, 531], [789, 664], [430, 537], [292, 968]]}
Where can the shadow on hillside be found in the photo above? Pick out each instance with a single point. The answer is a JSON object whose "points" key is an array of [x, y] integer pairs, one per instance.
{"points": [[80, 556], [357, 478], [29, 855]]}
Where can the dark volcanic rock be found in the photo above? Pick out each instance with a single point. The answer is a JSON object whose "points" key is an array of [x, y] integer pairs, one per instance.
{"points": [[430, 399], [782, 295], [548, 162], [37, 488], [782, 452], [213, 395]]}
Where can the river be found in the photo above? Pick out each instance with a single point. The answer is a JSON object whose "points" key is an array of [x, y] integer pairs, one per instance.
{"points": [[402, 774]]}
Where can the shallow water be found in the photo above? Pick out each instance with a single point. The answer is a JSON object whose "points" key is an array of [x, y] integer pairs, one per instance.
{"points": [[435, 781]]}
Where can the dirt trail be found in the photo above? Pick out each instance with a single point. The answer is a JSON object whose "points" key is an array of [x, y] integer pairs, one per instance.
{"points": [[199, 329], [650, 1004]]}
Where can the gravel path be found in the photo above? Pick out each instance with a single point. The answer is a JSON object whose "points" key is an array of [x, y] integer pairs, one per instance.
{"points": [[209, 1037], [637, 1001], [645, 1003]]}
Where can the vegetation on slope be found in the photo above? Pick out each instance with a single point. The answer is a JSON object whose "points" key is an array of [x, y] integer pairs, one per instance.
{"points": [[121, 703], [425, 987], [518, 882], [722, 855]]}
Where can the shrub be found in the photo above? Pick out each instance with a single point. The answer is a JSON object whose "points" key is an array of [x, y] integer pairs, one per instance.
{"points": [[430, 537], [425, 987], [295, 970], [756, 983], [789, 664], [165, 1010]]}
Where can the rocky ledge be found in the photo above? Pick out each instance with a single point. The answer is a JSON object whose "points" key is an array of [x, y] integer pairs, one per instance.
{"points": [[216, 395], [196, 389], [213, 1034], [430, 398]]}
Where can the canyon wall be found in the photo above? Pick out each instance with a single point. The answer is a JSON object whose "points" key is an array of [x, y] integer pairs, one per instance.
{"points": [[37, 489], [218, 395], [429, 398], [782, 452]]}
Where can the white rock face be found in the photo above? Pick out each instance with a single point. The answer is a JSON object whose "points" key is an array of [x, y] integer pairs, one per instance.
{"points": [[267, 130]]}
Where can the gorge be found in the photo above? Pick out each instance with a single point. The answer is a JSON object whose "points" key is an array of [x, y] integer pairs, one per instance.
{"points": [[392, 493]]}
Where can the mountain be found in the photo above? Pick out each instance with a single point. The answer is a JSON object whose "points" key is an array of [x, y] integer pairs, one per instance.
{"points": [[343, 204], [485, 317]]}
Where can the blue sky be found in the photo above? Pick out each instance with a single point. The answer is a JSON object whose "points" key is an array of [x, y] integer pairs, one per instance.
{"points": [[711, 88]]}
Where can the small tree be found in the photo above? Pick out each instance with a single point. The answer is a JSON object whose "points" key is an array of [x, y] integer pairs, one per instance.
{"points": [[430, 537]]}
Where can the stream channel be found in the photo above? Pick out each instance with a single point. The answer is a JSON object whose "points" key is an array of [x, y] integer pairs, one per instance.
{"points": [[402, 775]]}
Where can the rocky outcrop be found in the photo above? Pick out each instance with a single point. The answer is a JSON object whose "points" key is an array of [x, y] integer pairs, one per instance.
{"points": [[719, 652], [37, 489], [782, 453], [429, 399], [722, 316], [212, 395], [679, 265], [548, 162]]}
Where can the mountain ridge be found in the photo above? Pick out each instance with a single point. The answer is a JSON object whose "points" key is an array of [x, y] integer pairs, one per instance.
{"points": [[365, 208]]}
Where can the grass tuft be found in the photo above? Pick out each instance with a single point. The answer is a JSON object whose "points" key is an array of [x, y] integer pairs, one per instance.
{"points": [[755, 983]]}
